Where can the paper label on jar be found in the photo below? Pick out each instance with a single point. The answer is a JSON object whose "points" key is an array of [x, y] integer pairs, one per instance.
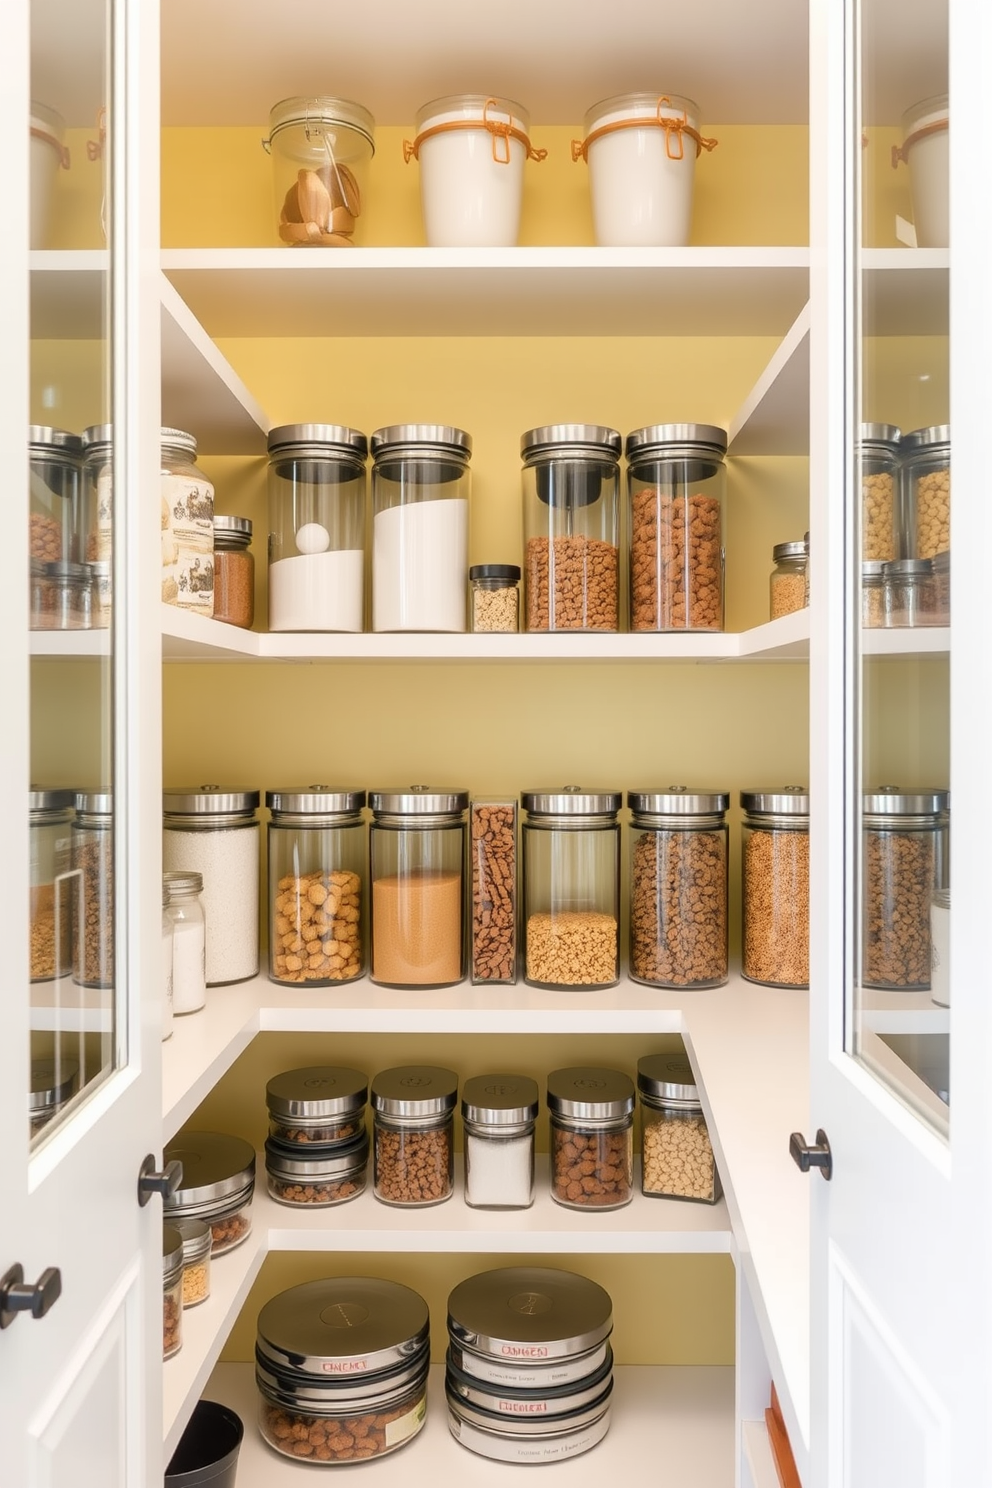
{"points": [[558, 1372], [187, 508], [104, 548], [531, 1449], [406, 1426]]}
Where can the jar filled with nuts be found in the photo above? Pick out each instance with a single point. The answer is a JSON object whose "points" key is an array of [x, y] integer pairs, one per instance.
{"points": [[322, 1105], [787, 585], [775, 841], [197, 1244], [495, 597], [678, 887], [592, 1125], [571, 859], [873, 595], [418, 847], [904, 859], [56, 530], [676, 479], [317, 872], [316, 1177], [926, 490], [413, 1111], [881, 515], [217, 1185], [493, 849], [93, 870], [52, 893], [172, 1291], [676, 1153]]}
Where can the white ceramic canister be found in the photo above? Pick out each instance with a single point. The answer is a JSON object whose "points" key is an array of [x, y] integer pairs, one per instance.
{"points": [[215, 833], [472, 150], [641, 150], [48, 156], [926, 150]]}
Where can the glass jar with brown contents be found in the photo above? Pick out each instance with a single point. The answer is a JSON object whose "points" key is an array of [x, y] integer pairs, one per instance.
{"points": [[592, 1151], [318, 885], [775, 840], [234, 572], [217, 1185], [321, 1105], [904, 858], [678, 887]]}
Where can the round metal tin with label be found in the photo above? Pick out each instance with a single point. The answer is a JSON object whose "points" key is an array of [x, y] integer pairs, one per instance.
{"points": [[533, 1399], [529, 1315], [505, 1440], [342, 1326]]}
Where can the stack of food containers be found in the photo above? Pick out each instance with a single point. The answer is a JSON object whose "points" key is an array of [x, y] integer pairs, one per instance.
{"points": [[318, 1148]]}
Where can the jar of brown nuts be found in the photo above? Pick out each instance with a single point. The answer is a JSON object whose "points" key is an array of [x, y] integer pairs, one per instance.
{"points": [[904, 858], [316, 1177], [775, 882], [881, 507], [676, 1153], [592, 1123], [413, 1111], [172, 1291], [217, 1185], [323, 1104], [678, 887], [926, 491], [318, 876]]}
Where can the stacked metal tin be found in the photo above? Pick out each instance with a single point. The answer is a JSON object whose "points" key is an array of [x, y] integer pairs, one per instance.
{"points": [[318, 1148]]}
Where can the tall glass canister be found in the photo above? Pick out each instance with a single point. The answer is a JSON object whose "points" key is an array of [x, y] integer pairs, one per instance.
{"points": [[775, 842], [678, 887], [93, 863], [571, 862], [926, 490], [904, 860], [214, 832], [56, 533], [52, 898], [881, 505], [417, 851], [318, 877]]}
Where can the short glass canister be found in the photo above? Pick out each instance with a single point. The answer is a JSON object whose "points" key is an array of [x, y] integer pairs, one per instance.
{"points": [[677, 1159], [592, 1124], [418, 849], [499, 1113], [775, 842], [413, 1109], [904, 859], [571, 881], [678, 887], [318, 876]]}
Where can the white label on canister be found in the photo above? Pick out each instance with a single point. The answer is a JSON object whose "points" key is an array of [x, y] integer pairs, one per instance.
{"points": [[406, 1426], [104, 515], [529, 1449], [187, 518], [940, 955], [559, 1372]]}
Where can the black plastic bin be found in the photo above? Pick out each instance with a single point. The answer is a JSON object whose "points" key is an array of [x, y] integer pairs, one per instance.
{"points": [[207, 1454]]}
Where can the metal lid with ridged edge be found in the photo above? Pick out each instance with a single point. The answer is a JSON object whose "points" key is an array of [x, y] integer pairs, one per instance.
{"points": [[182, 881], [197, 1238], [529, 1314], [342, 1326], [215, 1165], [317, 1091], [179, 441], [587, 1092], [892, 800], [783, 550], [313, 1162], [45, 798], [97, 439], [537, 1400], [883, 437], [52, 1083], [418, 800], [415, 1090], [172, 1250], [500, 1100], [508, 571], [315, 440], [907, 568], [94, 804], [315, 800], [934, 437], [540, 1426], [873, 570], [665, 441], [667, 1079], [776, 800], [678, 800], [232, 534], [570, 442], [427, 441], [570, 800], [58, 444], [209, 800]]}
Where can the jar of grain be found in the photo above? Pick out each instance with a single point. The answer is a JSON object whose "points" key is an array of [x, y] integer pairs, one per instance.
{"points": [[321, 1105], [592, 1126], [53, 1084], [775, 841], [418, 845], [571, 883], [421, 484], [234, 572], [910, 593], [217, 1185], [214, 832], [904, 860], [56, 528], [926, 490], [52, 883], [189, 940], [676, 1153], [493, 847], [168, 1009], [98, 493], [187, 513], [61, 596], [787, 585], [413, 1124], [499, 1113], [197, 1241], [317, 488], [495, 600], [321, 148], [317, 872], [678, 887], [571, 484], [940, 947], [873, 594], [92, 854], [172, 1291], [881, 525], [676, 479], [316, 1177]]}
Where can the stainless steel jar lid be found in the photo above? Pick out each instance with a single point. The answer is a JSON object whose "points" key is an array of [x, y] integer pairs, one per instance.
{"points": [[60, 570], [678, 800], [941, 562], [589, 1093], [179, 441], [215, 1166], [935, 436], [778, 800], [180, 882], [500, 1100], [315, 800], [94, 803], [907, 568], [529, 1425], [529, 1314], [418, 800], [341, 1326], [97, 439], [539, 1400], [415, 1090], [428, 440], [50, 798], [571, 800], [208, 800], [883, 435], [172, 1249], [571, 442], [799, 549], [197, 1238], [315, 1092], [669, 1079], [49, 442], [872, 570], [319, 112], [892, 800], [316, 440], [52, 1083], [662, 441], [232, 534], [310, 1162]]}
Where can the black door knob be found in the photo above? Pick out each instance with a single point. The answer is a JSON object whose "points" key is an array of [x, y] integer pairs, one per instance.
{"points": [[15, 1297], [151, 1182], [806, 1157]]}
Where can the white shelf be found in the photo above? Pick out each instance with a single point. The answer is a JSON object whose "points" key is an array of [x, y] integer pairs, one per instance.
{"points": [[902, 1012], [69, 294], [923, 640], [774, 419], [67, 643], [64, 1007], [758, 1455], [905, 291]]}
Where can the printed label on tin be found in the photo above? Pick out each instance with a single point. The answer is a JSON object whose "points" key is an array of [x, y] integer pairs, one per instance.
{"points": [[555, 1372], [406, 1426], [509, 1449]]}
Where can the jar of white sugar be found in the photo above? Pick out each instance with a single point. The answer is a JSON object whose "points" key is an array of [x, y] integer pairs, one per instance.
{"points": [[499, 1112], [420, 495], [316, 527], [215, 832], [185, 911]]}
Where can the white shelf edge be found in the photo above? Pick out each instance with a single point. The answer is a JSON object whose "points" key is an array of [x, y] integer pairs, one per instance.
{"points": [[758, 1454], [233, 422], [772, 403], [922, 640], [64, 1007], [902, 1012], [65, 644], [389, 259]]}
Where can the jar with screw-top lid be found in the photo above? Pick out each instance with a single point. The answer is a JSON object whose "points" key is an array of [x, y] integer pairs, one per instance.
{"points": [[320, 1105], [234, 571], [197, 1244], [53, 1084], [499, 1338], [592, 1124], [417, 848], [172, 1291], [499, 1113], [926, 490], [787, 586], [678, 887], [217, 1185], [318, 876], [316, 1177], [676, 1152], [881, 509], [873, 594], [910, 593], [495, 597], [413, 1121], [187, 512], [775, 885], [92, 853], [213, 830], [571, 485], [56, 522], [61, 596], [52, 883], [904, 849], [189, 940], [571, 887]]}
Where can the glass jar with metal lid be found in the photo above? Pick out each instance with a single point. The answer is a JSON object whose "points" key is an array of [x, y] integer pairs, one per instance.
{"points": [[321, 148], [495, 597], [318, 874], [214, 831], [56, 530], [873, 594], [904, 851], [317, 487], [529, 1327], [189, 940], [592, 1143], [418, 846], [92, 856], [413, 1121], [61, 596], [421, 484], [52, 892], [321, 1105], [941, 566], [787, 584], [676, 479], [53, 1084], [571, 486], [217, 1185], [234, 571], [316, 1177], [926, 490], [499, 1113], [98, 492], [881, 514], [349, 1348], [571, 863], [678, 887], [775, 886], [197, 1244], [910, 593], [677, 1159], [187, 512], [172, 1291]]}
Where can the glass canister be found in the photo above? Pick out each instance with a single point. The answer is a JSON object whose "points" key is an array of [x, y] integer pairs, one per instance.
{"points": [[321, 1105], [677, 1159], [775, 842], [941, 566], [172, 1291], [926, 490], [420, 501], [571, 862], [940, 947], [495, 597], [187, 511], [910, 593], [92, 855], [499, 1114], [234, 572], [571, 485], [52, 883], [418, 845], [53, 1084], [926, 150], [214, 832], [61, 596], [321, 148], [197, 1242], [316, 1177], [98, 493], [493, 847], [56, 532], [317, 871], [217, 1185], [881, 524], [413, 1124], [592, 1137], [873, 594], [678, 887], [168, 1009], [787, 585], [904, 859], [317, 491], [189, 940], [676, 479]]}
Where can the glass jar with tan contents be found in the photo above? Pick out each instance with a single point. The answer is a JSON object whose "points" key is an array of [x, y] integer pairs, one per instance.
{"points": [[678, 887], [775, 839], [676, 1152], [317, 878], [881, 515], [571, 857], [418, 847]]}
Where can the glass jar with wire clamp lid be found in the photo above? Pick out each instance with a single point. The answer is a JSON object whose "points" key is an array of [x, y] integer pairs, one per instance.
{"points": [[321, 148]]}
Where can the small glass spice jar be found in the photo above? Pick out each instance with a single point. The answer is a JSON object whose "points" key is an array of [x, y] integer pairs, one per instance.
{"points": [[910, 593], [318, 874], [172, 1291], [214, 831], [417, 848], [197, 1244], [92, 852], [316, 1177], [413, 1120], [873, 594], [678, 887], [787, 585], [321, 1105], [234, 572], [52, 883], [217, 1185], [881, 514], [904, 859], [926, 491], [168, 1009], [571, 859], [775, 885], [495, 599], [499, 1113], [592, 1137], [55, 524], [53, 1084], [189, 940], [677, 1159], [571, 485], [187, 515]]}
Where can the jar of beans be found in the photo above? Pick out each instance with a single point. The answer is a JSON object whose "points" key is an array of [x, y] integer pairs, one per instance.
{"points": [[317, 879], [172, 1291], [926, 490], [413, 1113], [904, 851], [787, 585], [52, 895], [592, 1125], [418, 847], [775, 840], [92, 851], [881, 523], [676, 478], [571, 483], [316, 1177], [197, 1244], [56, 527], [217, 1185], [234, 572], [322, 1105], [571, 887], [676, 1153], [678, 887]]}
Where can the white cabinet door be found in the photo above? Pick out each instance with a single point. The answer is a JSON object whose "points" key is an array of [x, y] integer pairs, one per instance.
{"points": [[81, 1319]]}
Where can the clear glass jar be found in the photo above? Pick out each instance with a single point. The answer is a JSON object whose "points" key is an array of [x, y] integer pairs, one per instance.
{"points": [[910, 593], [56, 533], [317, 488], [98, 494], [214, 832], [413, 1125], [678, 887], [418, 845], [53, 1084], [571, 485], [321, 148], [321, 1105], [187, 512], [61, 596], [217, 1185], [234, 572], [592, 1137], [881, 516], [676, 479], [499, 1114], [926, 490], [52, 884], [168, 1008], [316, 1177], [677, 1159], [787, 586], [495, 597], [92, 854], [172, 1291], [775, 886], [421, 484], [317, 869], [197, 1244], [189, 940], [571, 859], [493, 847], [940, 947], [904, 845], [941, 566], [101, 600], [873, 595]]}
